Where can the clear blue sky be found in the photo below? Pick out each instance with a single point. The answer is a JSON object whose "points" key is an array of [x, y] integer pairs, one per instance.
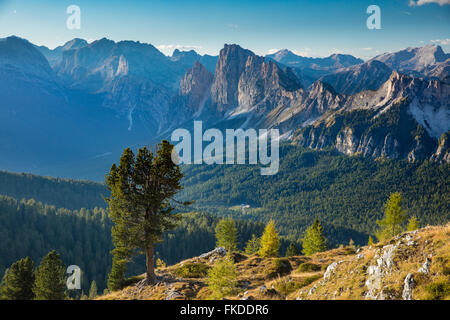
{"points": [[308, 27]]}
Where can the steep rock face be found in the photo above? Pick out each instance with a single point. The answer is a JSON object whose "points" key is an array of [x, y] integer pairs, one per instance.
{"points": [[192, 96], [263, 86], [442, 153], [367, 76], [439, 71], [230, 66], [133, 78], [400, 120]]}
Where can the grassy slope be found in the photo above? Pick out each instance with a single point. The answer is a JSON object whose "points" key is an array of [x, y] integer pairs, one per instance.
{"points": [[346, 282]]}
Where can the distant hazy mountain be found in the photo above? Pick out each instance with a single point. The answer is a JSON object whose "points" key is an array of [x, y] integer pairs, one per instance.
{"points": [[366, 76], [414, 60], [44, 126], [54, 56], [334, 61], [188, 58], [311, 69], [105, 95]]}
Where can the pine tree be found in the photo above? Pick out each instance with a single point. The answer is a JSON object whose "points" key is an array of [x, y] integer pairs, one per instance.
{"points": [[253, 245], [226, 235], [351, 243], [18, 281], [292, 250], [395, 215], [413, 224], [314, 239], [222, 279], [116, 278], [370, 242], [93, 291], [50, 281], [141, 203], [270, 241]]}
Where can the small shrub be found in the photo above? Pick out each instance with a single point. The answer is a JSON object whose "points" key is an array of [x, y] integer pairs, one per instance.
{"points": [[307, 281], [308, 267], [438, 290], [222, 279], [279, 267], [286, 286], [192, 270]]}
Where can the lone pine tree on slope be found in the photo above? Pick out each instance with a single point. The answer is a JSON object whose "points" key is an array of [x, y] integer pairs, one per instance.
{"points": [[140, 205], [314, 240], [395, 216]]}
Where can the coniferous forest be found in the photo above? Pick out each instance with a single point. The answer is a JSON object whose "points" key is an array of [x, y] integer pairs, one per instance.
{"points": [[347, 194]]}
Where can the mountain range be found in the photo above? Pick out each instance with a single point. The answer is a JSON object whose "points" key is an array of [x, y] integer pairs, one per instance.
{"points": [[69, 110]]}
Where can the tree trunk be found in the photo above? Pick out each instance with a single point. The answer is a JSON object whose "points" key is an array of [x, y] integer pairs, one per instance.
{"points": [[150, 266]]}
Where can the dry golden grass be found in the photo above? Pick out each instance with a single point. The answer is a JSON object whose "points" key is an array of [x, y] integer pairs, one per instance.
{"points": [[348, 281]]}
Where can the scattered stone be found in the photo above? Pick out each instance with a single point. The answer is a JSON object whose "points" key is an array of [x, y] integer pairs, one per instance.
{"points": [[330, 270], [385, 263], [172, 295], [425, 268], [408, 287], [312, 290], [218, 252]]}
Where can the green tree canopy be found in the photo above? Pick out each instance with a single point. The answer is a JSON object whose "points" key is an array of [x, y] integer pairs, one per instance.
{"points": [[18, 281], [314, 239], [292, 250], [270, 241], [253, 245], [141, 202], [394, 217], [413, 224], [222, 279], [226, 234], [93, 291], [50, 281]]}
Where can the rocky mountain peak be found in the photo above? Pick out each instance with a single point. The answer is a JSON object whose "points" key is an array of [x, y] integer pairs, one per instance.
{"points": [[196, 81], [231, 64], [21, 55]]}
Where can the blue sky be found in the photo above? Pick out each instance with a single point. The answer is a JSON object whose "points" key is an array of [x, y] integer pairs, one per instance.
{"points": [[308, 27]]}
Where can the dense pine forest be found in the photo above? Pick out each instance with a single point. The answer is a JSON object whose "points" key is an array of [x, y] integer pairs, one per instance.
{"points": [[83, 237], [62, 193], [347, 194]]}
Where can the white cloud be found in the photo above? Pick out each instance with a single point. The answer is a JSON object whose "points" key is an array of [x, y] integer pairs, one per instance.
{"points": [[272, 51], [367, 49], [442, 42], [169, 48], [414, 3], [305, 52]]}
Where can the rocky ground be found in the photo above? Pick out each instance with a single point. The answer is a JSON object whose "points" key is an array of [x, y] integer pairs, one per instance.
{"points": [[413, 265]]}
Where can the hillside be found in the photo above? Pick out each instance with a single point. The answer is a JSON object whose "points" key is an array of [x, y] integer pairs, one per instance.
{"points": [[345, 193], [63, 193], [413, 265]]}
